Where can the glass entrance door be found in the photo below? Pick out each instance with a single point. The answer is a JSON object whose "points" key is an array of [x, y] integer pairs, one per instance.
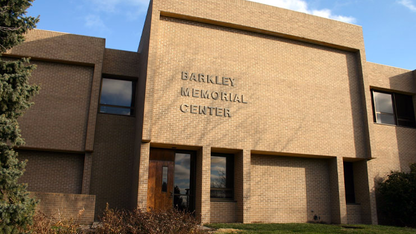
{"points": [[184, 182]]}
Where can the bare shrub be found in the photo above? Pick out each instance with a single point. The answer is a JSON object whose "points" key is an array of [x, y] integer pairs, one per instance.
{"points": [[50, 225], [154, 222]]}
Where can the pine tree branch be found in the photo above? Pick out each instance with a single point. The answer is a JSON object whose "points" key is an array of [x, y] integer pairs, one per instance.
{"points": [[9, 29]]}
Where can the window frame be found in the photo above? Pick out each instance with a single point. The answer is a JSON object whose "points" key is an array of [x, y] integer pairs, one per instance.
{"points": [[133, 95], [394, 107], [230, 182]]}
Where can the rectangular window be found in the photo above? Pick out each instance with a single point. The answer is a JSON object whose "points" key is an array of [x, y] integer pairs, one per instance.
{"points": [[117, 96], [164, 179], [222, 176], [393, 108]]}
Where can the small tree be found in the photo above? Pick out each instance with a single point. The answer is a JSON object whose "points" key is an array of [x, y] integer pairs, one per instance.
{"points": [[16, 207], [397, 198]]}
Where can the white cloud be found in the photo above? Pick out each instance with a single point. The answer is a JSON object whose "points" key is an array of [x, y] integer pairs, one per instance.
{"points": [[296, 5], [409, 4], [302, 6], [113, 5], [346, 19], [95, 22], [128, 9]]}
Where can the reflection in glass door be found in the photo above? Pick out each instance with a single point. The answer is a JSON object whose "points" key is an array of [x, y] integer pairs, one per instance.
{"points": [[184, 182]]}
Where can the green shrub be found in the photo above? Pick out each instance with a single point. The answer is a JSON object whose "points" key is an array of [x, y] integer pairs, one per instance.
{"points": [[154, 222], [397, 199]]}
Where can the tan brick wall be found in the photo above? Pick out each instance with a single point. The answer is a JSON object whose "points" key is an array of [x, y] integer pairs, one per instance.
{"points": [[289, 190], [122, 63], [143, 176], [394, 149], [267, 18], [79, 207], [111, 161], [144, 66], [63, 48], [309, 89], [223, 212], [205, 184], [392, 78], [52, 172], [61, 108], [354, 213]]}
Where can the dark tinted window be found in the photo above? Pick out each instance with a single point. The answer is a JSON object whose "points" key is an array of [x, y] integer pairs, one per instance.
{"points": [[405, 111], [222, 176], [117, 96], [393, 108]]}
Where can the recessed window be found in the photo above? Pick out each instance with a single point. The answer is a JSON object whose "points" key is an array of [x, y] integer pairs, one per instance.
{"points": [[349, 182], [117, 97], [393, 108], [222, 176]]}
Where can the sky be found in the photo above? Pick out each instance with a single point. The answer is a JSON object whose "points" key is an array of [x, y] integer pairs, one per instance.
{"points": [[389, 26]]}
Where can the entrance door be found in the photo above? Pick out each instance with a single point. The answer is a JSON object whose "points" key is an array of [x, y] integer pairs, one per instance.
{"points": [[171, 180], [160, 188]]}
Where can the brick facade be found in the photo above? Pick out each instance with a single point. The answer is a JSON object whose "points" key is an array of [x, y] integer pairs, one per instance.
{"points": [[288, 94], [289, 190], [111, 161], [63, 175], [223, 212]]}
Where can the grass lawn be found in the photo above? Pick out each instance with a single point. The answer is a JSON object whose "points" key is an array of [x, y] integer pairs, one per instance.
{"points": [[307, 228]]}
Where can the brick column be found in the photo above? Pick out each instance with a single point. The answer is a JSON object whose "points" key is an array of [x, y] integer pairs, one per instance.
{"points": [[203, 187], [365, 192], [247, 186], [338, 202], [143, 176], [242, 188], [86, 176], [93, 108]]}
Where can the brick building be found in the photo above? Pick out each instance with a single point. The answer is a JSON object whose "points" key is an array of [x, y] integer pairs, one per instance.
{"points": [[239, 111]]}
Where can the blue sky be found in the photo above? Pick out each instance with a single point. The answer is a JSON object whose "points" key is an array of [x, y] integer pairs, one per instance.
{"points": [[389, 26]]}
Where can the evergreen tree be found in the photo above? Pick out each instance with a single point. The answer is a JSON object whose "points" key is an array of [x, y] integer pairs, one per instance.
{"points": [[16, 207]]}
